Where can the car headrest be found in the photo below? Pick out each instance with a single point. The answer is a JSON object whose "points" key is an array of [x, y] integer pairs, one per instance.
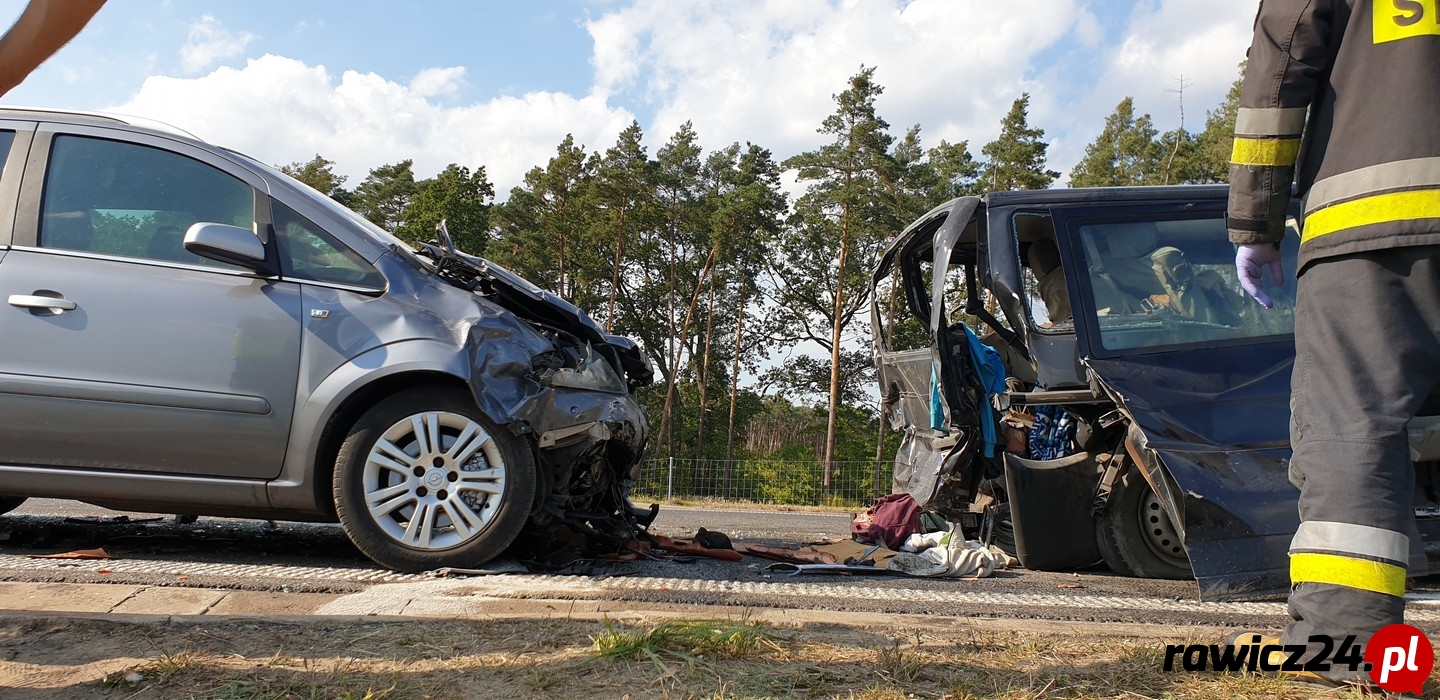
{"points": [[1132, 240], [1044, 256]]}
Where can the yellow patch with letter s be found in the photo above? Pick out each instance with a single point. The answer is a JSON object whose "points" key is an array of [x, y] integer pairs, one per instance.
{"points": [[1405, 19]]}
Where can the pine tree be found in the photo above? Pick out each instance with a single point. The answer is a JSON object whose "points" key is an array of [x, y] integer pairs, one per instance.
{"points": [[1125, 153], [542, 223], [1212, 161], [1016, 159], [835, 231], [624, 195], [385, 193], [319, 173]]}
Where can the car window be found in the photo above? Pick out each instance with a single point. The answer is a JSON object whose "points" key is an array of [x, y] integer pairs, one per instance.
{"points": [[7, 139], [1042, 276], [1155, 283], [125, 199], [307, 252]]}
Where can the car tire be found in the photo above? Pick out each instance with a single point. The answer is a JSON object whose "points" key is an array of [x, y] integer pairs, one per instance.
{"points": [[473, 494], [1135, 535], [9, 503]]}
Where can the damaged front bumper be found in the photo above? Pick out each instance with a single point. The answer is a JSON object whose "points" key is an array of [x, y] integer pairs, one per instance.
{"points": [[576, 406]]}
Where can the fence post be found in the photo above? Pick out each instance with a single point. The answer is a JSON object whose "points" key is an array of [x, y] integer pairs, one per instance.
{"points": [[670, 482]]}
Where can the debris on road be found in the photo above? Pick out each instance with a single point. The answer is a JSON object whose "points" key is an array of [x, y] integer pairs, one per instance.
{"points": [[808, 555], [97, 553], [496, 568], [694, 548], [798, 569]]}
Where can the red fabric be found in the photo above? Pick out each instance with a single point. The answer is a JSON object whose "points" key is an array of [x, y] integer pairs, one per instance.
{"points": [[892, 519]]}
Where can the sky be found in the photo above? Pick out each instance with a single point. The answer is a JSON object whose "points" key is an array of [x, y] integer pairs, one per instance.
{"points": [[499, 84]]}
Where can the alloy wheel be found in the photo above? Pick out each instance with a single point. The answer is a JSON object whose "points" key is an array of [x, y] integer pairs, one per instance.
{"points": [[434, 480]]}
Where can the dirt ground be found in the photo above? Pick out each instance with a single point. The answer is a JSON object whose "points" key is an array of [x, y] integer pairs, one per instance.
{"points": [[68, 657]]}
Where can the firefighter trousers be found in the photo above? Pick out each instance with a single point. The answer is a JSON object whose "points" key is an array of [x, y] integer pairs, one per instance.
{"points": [[1367, 359]]}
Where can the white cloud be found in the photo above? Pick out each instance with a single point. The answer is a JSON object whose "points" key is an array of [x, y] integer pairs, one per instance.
{"points": [[433, 82], [766, 70], [1163, 42], [209, 43], [281, 110], [748, 70]]}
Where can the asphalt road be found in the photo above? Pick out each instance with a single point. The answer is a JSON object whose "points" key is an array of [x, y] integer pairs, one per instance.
{"points": [[255, 555]]}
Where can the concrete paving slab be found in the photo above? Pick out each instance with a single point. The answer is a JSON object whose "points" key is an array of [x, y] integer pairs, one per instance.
{"points": [[64, 597], [255, 603], [170, 601]]}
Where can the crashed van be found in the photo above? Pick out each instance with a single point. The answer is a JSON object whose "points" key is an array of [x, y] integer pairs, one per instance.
{"points": [[1079, 378], [191, 331]]}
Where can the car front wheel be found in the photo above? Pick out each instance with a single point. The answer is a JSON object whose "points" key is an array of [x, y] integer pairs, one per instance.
{"points": [[1136, 536], [425, 481]]}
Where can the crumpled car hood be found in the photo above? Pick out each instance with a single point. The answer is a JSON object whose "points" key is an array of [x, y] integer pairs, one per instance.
{"points": [[532, 303], [1219, 420]]}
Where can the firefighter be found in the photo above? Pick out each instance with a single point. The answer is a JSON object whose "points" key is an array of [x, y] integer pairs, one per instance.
{"points": [[1356, 78]]}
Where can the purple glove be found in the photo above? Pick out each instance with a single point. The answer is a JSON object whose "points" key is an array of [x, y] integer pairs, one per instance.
{"points": [[1250, 260]]}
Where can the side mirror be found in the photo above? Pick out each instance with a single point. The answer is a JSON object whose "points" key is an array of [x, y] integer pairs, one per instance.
{"points": [[228, 244]]}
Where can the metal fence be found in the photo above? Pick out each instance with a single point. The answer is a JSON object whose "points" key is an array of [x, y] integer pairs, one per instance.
{"points": [[762, 481]]}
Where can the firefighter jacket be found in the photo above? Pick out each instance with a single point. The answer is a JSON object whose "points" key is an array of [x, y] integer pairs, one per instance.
{"points": [[1368, 166]]}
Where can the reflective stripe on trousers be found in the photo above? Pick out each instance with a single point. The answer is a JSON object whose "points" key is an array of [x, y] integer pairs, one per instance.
{"points": [[1354, 556]]}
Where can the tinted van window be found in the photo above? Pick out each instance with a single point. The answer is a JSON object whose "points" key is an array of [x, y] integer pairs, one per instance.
{"points": [[1172, 282]]}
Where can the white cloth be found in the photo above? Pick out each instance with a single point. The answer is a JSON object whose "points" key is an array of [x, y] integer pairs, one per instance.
{"points": [[952, 556]]}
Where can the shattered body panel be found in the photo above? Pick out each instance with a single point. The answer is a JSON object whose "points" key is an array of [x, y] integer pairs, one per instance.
{"points": [[547, 370], [1219, 421]]}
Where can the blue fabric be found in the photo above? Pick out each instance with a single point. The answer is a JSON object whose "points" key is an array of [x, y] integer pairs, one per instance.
{"points": [[937, 411], [991, 370], [1051, 432]]}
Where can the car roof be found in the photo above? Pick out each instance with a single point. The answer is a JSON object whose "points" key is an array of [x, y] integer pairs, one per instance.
{"points": [[130, 122], [1105, 194]]}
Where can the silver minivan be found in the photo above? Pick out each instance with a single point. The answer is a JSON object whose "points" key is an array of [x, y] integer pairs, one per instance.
{"points": [[189, 331]]}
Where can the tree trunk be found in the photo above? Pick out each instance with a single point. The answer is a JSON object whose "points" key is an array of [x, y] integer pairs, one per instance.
{"points": [[668, 424], [615, 276], [665, 416], [734, 386], [705, 371], [835, 354], [880, 436], [563, 295]]}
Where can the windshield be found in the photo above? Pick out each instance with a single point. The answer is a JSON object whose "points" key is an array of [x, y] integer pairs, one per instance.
{"points": [[1172, 282]]}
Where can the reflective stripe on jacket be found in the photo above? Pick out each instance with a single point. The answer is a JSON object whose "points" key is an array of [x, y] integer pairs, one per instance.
{"points": [[1368, 165]]}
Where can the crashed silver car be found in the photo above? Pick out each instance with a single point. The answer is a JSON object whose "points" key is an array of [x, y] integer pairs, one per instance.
{"points": [[189, 331], [1080, 379]]}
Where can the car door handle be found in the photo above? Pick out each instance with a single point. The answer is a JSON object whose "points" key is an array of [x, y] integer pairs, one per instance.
{"points": [[31, 301]]}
